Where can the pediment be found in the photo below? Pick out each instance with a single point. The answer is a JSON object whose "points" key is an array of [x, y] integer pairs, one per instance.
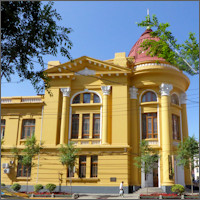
{"points": [[86, 66]]}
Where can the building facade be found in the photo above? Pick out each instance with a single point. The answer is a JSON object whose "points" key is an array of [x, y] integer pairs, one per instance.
{"points": [[106, 108]]}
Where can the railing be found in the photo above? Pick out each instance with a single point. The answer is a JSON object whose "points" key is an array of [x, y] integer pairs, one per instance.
{"points": [[31, 100], [86, 141], [6, 100]]}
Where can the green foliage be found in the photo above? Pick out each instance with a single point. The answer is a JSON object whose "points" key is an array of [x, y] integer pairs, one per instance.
{"points": [[29, 152], [51, 187], [147, 158], [178, 189], [16, 187], [3, 184], [68, 154], [187, 152], [38, 187], [29, 30], [169, 49]]}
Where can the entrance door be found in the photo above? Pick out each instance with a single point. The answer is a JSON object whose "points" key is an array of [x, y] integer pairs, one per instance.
{"points": [[155, 177]]}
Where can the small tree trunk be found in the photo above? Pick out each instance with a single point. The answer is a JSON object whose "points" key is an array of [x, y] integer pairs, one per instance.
{"points": [[191, 178], [70, 185], [27, 180]]}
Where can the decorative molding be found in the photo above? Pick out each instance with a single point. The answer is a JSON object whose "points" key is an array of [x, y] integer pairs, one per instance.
{"points": [[85, 142], [183, 98], [175, 143], [66, 91], [165, 89], [152, 142], [86, 72], [156, 64], [133, 92], [106, 89], [95, 142]]}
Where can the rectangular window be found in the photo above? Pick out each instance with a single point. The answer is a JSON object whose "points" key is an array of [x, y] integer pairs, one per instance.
{"points": [[149, 125], [94, 166], [22, 170], [86, 98], [75, 126], [82, 166], [86, 126], [3, 125], [175, 127], [28, 128], [96, 125]]}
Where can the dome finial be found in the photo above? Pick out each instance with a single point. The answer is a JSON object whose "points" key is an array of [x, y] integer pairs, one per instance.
{"points": [[148, 19]]}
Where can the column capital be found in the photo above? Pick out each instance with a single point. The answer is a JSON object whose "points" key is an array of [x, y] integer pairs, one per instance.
{"points": [[183, 98], [133, 92], [106, 89], [165, 89], [66, 91]]}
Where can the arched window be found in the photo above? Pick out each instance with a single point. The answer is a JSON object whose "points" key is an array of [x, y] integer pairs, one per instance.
{"points": [[76, 99], [149, 96], [174, 99]]}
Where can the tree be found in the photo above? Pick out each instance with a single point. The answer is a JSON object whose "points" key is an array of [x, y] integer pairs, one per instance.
{"points": [[26, 156], [185, 56], [28, 31], [68, 156], [146, 159], [187, 153]]}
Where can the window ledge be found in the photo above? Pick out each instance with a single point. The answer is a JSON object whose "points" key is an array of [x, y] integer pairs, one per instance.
{"points": [[23, 178], [176, 106], [149, 103], [82, 179], [86, 104]]}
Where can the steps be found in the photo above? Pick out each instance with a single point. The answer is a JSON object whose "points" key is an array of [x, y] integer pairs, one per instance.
{"points": [[150, 190]]}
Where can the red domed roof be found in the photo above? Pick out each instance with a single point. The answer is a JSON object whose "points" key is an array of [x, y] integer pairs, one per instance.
{"points": [[143, 57]]}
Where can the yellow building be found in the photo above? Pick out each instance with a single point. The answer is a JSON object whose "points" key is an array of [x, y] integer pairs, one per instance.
{"points": [[106, 108]]}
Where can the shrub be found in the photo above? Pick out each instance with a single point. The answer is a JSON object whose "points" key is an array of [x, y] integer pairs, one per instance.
{"points": [[38, 187], [2, 184], [16, 187], [177, 188], [51, 187]]}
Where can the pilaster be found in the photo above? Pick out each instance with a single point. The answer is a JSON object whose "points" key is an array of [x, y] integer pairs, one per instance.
{"points": [[65, 115], [106, 91]]}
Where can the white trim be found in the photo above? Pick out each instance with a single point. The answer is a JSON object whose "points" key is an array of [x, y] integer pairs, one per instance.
{"points": [[147, 91], [88, 91], [151, 65], [70, 111]]}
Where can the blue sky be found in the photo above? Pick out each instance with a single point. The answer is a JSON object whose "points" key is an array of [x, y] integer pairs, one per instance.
{"points": [[102, 28]]}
